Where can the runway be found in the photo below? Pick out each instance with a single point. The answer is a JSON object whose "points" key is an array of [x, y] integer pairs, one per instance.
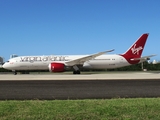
{"points": [[85, 76], [97, 86]]}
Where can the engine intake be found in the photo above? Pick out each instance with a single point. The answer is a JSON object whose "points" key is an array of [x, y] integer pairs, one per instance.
{"points": [[56, 67]]}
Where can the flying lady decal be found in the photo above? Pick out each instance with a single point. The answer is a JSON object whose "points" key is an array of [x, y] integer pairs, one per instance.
{"points": [[136, 50]]}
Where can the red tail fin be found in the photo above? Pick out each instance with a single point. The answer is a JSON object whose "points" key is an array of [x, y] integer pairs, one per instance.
{"points": [[135, 51]]}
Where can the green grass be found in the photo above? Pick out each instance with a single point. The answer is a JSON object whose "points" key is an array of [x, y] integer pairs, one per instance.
{"points": [[110, 109]]}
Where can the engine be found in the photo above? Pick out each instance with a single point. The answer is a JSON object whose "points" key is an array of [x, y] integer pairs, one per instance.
{"points": [[56, 67]]}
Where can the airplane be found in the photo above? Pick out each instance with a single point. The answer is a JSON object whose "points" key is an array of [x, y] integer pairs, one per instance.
{"points": [[61, 63]]}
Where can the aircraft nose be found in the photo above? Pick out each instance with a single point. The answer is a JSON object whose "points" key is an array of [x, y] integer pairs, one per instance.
{"points": [[5, 66]]}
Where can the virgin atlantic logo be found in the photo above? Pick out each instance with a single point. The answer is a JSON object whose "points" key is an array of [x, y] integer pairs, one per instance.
{"points": [[136, 50]]}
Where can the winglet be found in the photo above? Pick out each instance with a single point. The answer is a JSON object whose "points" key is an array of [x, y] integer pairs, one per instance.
{"points": [[100, 53]]}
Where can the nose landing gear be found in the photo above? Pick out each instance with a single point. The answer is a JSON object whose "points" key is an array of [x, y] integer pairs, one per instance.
{"points": [[14, 72]]}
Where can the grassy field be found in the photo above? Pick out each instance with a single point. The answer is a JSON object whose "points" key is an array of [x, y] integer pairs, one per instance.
{"points": [[103, 109]]}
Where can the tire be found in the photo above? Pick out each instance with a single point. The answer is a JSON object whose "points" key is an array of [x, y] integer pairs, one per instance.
{"points": [[15, 73], [76, 72]]}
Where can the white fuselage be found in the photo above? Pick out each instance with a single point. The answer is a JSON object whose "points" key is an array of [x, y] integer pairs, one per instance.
{"points": [[42, 62]]}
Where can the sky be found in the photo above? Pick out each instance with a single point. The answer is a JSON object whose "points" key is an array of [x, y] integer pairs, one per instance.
{"points": [[66, 27]]}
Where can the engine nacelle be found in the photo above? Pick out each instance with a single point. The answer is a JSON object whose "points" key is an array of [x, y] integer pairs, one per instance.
{"points": [[56, 67]]}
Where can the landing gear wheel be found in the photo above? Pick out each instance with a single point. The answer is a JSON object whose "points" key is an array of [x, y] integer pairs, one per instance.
{"points": [[76, 72], [15, 73]]}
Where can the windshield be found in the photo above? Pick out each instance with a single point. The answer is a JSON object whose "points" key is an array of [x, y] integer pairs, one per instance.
{"points": [[13, 56]]}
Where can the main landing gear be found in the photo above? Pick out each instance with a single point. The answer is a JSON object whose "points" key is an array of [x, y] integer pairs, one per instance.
{"points": [[76, 70]]}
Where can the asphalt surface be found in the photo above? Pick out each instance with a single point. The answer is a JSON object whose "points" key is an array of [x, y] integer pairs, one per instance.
{"points": [[78, 89]]}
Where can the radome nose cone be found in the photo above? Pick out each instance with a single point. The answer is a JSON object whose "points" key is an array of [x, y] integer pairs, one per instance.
{"points": [[5, 66]]}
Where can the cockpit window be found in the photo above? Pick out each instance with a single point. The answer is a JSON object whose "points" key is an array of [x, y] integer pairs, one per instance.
{"points": [[7, 61], [13, 56]]}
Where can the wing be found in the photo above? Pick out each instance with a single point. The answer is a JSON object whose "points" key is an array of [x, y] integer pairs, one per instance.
{"points": [[143, 58], [86, 58]]}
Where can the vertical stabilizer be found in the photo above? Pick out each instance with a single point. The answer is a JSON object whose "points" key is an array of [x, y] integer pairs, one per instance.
{"points": [[135, 51]]}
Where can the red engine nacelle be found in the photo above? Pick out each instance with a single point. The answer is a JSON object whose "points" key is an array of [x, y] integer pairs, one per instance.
{"points": [[56, 67]]}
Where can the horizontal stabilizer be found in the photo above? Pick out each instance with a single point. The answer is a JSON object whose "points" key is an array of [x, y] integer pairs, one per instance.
{"points": [[142, 58]]}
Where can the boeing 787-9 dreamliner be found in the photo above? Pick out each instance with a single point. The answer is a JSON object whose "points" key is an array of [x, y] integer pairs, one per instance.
{"points": [[60, 63]]}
